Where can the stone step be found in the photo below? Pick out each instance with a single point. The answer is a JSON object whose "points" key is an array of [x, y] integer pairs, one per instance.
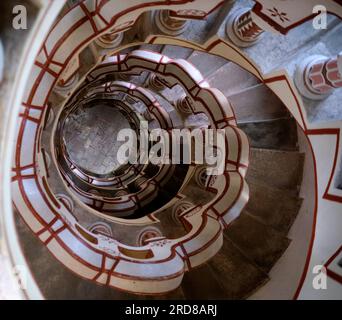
{"points": [[236, 273], [280, 169], [257, 103], [206, 63], [259, 242], [176, 52], [201, 283], [272, 206], [280, 134], [231, 78]]}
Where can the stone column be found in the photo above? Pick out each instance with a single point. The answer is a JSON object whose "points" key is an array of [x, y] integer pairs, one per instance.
{"points": [[241, 29], [318, 75], [154, 82], [63, 87], [168, 25], [182, 104], [109, 40]]}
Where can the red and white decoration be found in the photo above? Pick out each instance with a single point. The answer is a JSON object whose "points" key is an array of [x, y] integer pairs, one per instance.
{"points": [[316, 76], [159, 266], [101, 228], [147, 234], [241, 29], [109, 40], [283, 15], [183, 105]]}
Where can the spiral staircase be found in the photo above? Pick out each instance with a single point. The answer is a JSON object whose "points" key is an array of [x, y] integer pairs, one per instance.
{"points": [[91, 228]]}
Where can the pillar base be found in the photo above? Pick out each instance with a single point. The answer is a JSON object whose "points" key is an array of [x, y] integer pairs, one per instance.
{"points": [[301, 78], [173, 28], [103, 43], [65, 90], [232, 32]]}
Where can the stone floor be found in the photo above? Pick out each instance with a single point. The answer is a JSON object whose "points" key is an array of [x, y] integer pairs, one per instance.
{"points": [[91, 137]]}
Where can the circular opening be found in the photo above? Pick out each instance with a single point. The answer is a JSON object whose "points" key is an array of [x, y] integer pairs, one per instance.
{"points": [[90, 137]]}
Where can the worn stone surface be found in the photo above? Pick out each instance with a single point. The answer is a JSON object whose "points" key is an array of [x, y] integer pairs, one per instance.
{"points": [[281, 169], [278, 134], [257, 103], [257, 241], [176, 52], [273, 51], [272, 206], [91, 137], [231, 78], [239, 276], [253, 243], [201, 283], [206, 63]]}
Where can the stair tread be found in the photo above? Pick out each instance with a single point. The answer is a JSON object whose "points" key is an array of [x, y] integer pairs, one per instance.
{"points": [[206, 63], [277, 168], [231, 78], [259, 242], [200, 283], [276, 134], [237, 274], [273, 206], [257, 103]]}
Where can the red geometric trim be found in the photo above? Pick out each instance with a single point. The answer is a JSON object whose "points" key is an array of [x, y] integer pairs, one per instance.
{"points": [[330, 273], [332, 131], [90, 16], [258, 8]]}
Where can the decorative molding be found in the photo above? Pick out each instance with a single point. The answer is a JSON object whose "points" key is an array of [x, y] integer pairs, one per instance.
{"points": [[316, 76], [241, 29], [169, 25]]}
